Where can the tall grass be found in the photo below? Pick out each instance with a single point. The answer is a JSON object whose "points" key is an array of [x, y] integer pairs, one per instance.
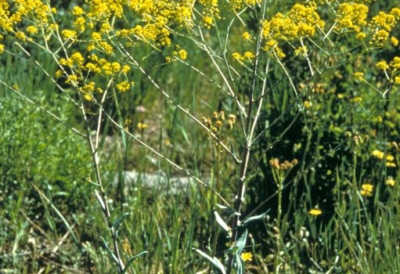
{"points": [[289, 139]]}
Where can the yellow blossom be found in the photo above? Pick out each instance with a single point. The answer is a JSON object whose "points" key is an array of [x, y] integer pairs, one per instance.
{"points": [[141, 126], [248, 55], [361, 35], [367, 189], [394, 41], [246, 256], [88, 97], [351, 16], [58, 73], [32, 30], [72, 79], [89, 87], [20, 36], [390, 181], [396, 78], [315, 212], [123, 86], [246, 36], [125, 69], [68, 34], [307, 104], [208, 21], [395, 62], [380, 37], [236, 56], [77, 11], [382, 65], [378, 154], [1, 48], [182, 54], [389, 158], [359, 76]]}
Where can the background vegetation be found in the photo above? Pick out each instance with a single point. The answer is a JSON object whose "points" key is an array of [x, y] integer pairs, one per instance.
{"points": [[227, 93]]}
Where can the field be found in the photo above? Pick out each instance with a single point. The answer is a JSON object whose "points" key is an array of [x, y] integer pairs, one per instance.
{"points": [[242, 136]]}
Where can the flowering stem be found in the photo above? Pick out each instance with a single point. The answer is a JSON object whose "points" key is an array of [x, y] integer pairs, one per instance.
{"points": [[250, 125]]}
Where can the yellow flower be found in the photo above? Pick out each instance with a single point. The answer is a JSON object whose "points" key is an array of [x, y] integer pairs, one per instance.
{"points": [[77, 11], [248, 55], [1, 48], [123, 86], [182, 54], [315, 212], [390, 181], [20, 36], [307, 104], [395, 63], [88, 97], [141, 126], [236, 56], [207, 21], [68, 34], [361, 35], [246, 36], [246, 256], [58, 73], [366, 190], [359, 75], [382, 65], [394, 41], [378, 154], [389, 158], [32, 30]]}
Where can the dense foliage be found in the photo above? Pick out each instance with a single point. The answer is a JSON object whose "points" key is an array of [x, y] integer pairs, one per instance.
{"points": [[279, 116]]}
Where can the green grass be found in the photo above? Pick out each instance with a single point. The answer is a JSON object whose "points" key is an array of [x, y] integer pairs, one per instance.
{"points": [[52, 220]]}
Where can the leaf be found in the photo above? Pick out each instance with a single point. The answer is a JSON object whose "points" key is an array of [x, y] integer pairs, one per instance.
{"points": [[117, 222], [132, 259], [239, 245], [241, 242], [222, 223], [103, 206], [214, 261], [110, 251], [254, 218], [228, 209], [240, 266]]}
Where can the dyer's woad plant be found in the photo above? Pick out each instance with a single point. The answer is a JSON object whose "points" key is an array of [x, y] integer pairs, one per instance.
{"points": [[307, 88]]}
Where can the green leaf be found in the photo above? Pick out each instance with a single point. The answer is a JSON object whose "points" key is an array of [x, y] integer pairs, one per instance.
{"points": [[214, 261], [239, 245], [132, 259], [110, 251], [222, 224], [117, 222], [254, 218], [228, 210]]}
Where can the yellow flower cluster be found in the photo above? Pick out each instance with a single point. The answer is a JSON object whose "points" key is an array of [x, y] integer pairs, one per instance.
{"points": [[390, 161], [382, 24], [315, 212], [301, 21], [390, 181], [367, 190], [392, 69], [246, 256], [351, 16], [217, 121]]}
